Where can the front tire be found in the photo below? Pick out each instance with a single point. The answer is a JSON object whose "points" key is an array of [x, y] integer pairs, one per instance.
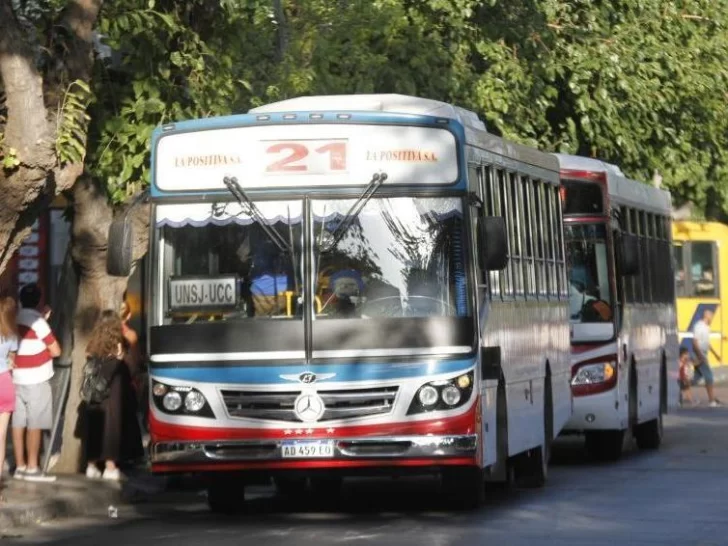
{"points": [[532, 467], [649, 435]]}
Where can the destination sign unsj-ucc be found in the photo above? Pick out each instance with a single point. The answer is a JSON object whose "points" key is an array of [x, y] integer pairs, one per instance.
{"points": [[186, 293]]}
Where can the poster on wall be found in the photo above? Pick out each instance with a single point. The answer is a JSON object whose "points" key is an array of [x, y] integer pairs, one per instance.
{"points": [[33, 256]]}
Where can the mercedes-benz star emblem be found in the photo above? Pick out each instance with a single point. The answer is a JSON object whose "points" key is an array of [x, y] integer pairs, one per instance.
{"points": [[307, 377], [309, 407]]}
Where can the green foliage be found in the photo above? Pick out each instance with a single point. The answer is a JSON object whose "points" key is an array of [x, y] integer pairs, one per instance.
{"points": [[640, 83], [73, 123], [8, 156]]}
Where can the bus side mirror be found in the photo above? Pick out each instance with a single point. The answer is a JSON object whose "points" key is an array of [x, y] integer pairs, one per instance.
{"points": [[630, 255], [118, 253], [493, 243]]}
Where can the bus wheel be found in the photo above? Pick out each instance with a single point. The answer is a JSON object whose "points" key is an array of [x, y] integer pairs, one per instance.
{"points": [[532, 467], [605, 445], [464, 487], [225, 496], [649, 435]]}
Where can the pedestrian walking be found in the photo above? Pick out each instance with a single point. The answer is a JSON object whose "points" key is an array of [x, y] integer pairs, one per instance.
{"points": [[111, 429], [685, 376], [8, 350], [37, 347], [701, 346]]}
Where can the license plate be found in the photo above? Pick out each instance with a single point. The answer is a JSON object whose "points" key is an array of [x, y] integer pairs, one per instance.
{"points": [[308, 450]]}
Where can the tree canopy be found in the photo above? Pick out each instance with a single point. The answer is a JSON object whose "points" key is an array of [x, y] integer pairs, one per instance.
{"points": [[640, 83]]}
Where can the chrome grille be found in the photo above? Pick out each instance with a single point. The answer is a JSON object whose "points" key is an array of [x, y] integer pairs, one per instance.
{"points": [[340, 404]]}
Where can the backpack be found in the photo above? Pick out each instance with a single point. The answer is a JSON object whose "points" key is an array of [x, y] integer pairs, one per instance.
{"points": [[95, 386]]}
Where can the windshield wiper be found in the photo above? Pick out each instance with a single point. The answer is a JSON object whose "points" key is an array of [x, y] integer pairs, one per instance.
{"points": [[339, 231], [254, 212]]}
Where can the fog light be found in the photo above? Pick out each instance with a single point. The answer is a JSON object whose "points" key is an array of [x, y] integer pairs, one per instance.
{"points": [[463, 381], [172, 401], [451, 395], [428, 396], [159, 389], [194, 401]]}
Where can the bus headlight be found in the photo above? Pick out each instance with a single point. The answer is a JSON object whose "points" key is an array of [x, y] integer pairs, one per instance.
{"points": [[194, 401], [172, 401], [593, 378], [443, 395], [593, 373], [451, 395], [176, 400], [428, 396]]}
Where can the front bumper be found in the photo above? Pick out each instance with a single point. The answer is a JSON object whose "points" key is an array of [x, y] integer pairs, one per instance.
{"points": [[344, 449]]}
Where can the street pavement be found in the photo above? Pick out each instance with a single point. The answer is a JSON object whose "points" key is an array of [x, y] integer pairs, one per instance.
{"points": [[677, 495]]}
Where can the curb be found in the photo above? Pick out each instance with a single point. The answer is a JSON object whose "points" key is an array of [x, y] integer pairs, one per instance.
{"points": [[62, 499], [28, 504]]}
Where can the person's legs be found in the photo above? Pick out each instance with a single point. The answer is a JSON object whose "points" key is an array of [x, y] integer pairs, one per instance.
{"points": [[707, 373], [4, 420], [40, 418], [686, 392], [19, 424], [33, 441]]}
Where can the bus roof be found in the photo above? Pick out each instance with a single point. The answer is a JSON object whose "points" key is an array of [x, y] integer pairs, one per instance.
{"points": [[622, 189], [391, 103]]}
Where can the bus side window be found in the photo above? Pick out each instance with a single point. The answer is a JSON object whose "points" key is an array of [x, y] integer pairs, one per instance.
{"points": [[492, 208], [702, 269]]}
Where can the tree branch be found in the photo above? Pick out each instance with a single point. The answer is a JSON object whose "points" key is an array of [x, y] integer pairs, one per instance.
{"points": [[80, 19]]}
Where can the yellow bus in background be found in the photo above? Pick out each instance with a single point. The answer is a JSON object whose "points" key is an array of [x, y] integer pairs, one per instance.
{"points": [[701, 281]]}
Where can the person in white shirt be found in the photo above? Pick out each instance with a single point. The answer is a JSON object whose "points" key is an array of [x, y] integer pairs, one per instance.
{"points": [[701, 347]]}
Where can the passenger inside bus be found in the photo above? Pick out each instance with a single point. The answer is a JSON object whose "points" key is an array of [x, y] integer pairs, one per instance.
{"points": [[586, 305], [704, 283], [589, 291]]}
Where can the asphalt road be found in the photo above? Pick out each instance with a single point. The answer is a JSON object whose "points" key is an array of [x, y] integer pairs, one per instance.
{"points": [[678, 495]]}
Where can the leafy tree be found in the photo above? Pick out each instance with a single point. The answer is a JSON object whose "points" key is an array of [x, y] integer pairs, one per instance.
{"points": [[637, 83], [45, 65]]}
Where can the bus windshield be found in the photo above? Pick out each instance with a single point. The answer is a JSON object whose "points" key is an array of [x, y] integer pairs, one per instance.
{"points": [[400, 257], [220, 263], [590, 295]]}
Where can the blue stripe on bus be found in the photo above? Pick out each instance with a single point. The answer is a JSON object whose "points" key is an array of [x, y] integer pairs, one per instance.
{"points": [[687, 342], [267, 375]]}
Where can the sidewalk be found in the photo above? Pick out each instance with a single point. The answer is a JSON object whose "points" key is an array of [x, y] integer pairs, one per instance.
{"points": [[26, 503]]}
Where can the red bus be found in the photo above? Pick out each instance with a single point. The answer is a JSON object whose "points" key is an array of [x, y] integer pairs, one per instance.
{"points": [[624, 342]]}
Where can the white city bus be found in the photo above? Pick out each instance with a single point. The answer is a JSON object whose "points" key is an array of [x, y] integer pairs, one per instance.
{"points": [[622, 306], [353, 284]]}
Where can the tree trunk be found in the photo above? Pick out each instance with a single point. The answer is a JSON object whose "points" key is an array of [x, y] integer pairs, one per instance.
{"points": [[30, 128], [97, 291]]}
